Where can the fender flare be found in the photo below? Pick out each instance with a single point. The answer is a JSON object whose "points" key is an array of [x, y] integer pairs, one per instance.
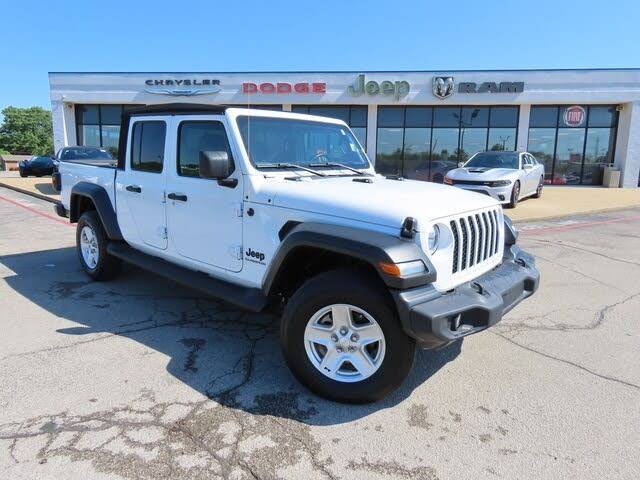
{"points": [[102, 202], [365, 245]]}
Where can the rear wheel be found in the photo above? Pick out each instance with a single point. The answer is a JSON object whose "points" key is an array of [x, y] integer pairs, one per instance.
{"points": [[23, 175], [342, 339], [91, 245], [515, 194], [538, 193]]}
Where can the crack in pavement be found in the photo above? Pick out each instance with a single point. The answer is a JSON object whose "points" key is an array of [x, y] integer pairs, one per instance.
{"points": [[586, 250], [568, 362], [517, 327]]}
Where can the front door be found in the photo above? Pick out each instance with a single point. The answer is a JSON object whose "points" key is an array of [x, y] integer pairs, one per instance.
{"points": [[203, 217], [140, 188]]}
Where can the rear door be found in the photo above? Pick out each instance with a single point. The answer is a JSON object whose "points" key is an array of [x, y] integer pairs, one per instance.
{"points": [[204, 217], [140, 188]]}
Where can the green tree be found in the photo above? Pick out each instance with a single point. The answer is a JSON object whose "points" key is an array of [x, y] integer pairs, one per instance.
{"points": [[497, 146], [26, 131]]}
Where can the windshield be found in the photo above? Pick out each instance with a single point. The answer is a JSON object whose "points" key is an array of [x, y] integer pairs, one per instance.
{"points": [[271, 141], [86, 154], [493, 160]]}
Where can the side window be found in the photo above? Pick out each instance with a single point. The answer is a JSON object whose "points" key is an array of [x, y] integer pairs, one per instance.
{"points": [[533, 160], [197, 136], [147, 146]]}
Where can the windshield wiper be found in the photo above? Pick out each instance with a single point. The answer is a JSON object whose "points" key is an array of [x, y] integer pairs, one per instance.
{"points": [[289, 165], [339, 165]]}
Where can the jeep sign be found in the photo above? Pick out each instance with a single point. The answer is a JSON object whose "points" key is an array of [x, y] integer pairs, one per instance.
{"points": [[397, 89]]}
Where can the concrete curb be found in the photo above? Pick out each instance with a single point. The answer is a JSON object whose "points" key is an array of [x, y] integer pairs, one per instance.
{"points": [[575, 214], [29, 192]]}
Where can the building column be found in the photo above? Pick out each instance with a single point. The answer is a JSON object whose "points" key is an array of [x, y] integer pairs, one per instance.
{"points": [[523, 127], [64, 124], [286, 107], [627, 157], [372, 128]]}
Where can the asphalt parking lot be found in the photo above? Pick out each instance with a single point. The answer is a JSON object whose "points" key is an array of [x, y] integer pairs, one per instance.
{"points": [[140, 379]]}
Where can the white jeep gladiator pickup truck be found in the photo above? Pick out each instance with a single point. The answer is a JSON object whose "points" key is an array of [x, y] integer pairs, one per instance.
{"points": [[275, 209]]}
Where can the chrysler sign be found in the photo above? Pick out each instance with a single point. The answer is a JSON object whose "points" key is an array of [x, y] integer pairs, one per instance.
{"points": [[183, 87]]}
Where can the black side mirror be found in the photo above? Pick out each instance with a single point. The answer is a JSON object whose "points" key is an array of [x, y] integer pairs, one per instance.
{"points": [[214, 164]]}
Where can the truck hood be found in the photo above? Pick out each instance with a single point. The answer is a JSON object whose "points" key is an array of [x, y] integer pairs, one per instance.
{"points": [[382, 201], [481, 173]]}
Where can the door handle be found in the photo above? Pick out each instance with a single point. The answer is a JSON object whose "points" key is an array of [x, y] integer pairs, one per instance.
{"points": [[181, 197], [133, 188]]}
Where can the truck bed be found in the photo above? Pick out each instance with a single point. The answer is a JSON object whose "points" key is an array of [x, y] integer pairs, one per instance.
{"points": [[97, 172]]}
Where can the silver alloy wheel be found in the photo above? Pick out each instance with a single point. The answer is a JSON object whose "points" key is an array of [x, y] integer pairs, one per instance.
{"points": [[539, 189], [345, 343], [89, 247]]}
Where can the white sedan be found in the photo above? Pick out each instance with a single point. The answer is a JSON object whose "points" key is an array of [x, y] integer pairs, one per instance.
{"points": [[505, 176]]}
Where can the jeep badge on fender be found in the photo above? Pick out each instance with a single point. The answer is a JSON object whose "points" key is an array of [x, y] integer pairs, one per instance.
{"points": [[356, 288]]}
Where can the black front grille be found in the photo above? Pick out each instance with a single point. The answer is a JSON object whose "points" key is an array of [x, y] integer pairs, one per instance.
{"points": [[475, 239], [454, 229]]}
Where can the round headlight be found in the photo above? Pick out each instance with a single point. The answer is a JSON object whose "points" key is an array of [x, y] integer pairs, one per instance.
{"points": [[434, 239]]}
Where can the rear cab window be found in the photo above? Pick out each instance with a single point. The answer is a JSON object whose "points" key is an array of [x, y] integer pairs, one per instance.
{"points": [[147, 146]]}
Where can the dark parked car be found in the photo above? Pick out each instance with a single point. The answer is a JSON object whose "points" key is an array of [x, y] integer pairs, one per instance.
{"points": [[89, 155], [37, 166]]}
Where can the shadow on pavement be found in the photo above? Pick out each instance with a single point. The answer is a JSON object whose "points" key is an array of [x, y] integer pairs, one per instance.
{"points": [[46, 189], [229, 356]]}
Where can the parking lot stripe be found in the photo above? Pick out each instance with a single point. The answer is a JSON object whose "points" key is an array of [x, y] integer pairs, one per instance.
{"points": [[37, 212], [578, 225]]}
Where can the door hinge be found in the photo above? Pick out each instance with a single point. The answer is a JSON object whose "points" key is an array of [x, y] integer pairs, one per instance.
{"points": [[239, 209], [236, 252], [164, 234]]}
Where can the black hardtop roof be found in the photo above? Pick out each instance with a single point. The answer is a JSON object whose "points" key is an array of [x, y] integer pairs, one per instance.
{"points": [[174, 109]]}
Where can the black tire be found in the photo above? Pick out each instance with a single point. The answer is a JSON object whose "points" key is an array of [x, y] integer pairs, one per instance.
{"points": [[438, 178], [107, 266], [359, 290], [23, 175], [515, 193], [538, 193]]}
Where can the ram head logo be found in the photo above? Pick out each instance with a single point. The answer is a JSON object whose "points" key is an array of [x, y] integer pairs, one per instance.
{"points": [[442, 87]]}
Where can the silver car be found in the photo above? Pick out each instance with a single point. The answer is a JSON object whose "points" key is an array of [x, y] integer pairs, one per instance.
{"points": [[505, 176]]}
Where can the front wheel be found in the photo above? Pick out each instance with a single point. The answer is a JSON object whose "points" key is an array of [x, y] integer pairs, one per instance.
{"points": [[91, 244], [515, 194], [342, 339]]}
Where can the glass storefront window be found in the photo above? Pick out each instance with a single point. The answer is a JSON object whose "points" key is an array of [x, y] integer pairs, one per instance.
{"points": [[573, 140], [504, 117], [445, 144], [417, 145], [446, 117], [389, 151], [543, 117], [502, 138], [425, 142], [568, 164], [99, 125], [473, 140], [90, 135], [542, 144]]}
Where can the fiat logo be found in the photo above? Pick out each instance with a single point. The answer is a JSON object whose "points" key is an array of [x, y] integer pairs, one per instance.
{"points": [[574, 116]]}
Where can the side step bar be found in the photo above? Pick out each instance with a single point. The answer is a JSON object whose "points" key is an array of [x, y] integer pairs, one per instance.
{"points": [[251, 299]]}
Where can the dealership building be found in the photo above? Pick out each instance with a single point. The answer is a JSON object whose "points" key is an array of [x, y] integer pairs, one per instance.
{"points": [[414, 124]]}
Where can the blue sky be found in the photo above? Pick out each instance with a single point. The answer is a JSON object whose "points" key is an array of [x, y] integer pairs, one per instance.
{"points": [[281, 35]]}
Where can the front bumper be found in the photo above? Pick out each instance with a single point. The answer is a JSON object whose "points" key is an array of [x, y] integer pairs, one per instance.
{"points": [[501, 194], [435, 319]]}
